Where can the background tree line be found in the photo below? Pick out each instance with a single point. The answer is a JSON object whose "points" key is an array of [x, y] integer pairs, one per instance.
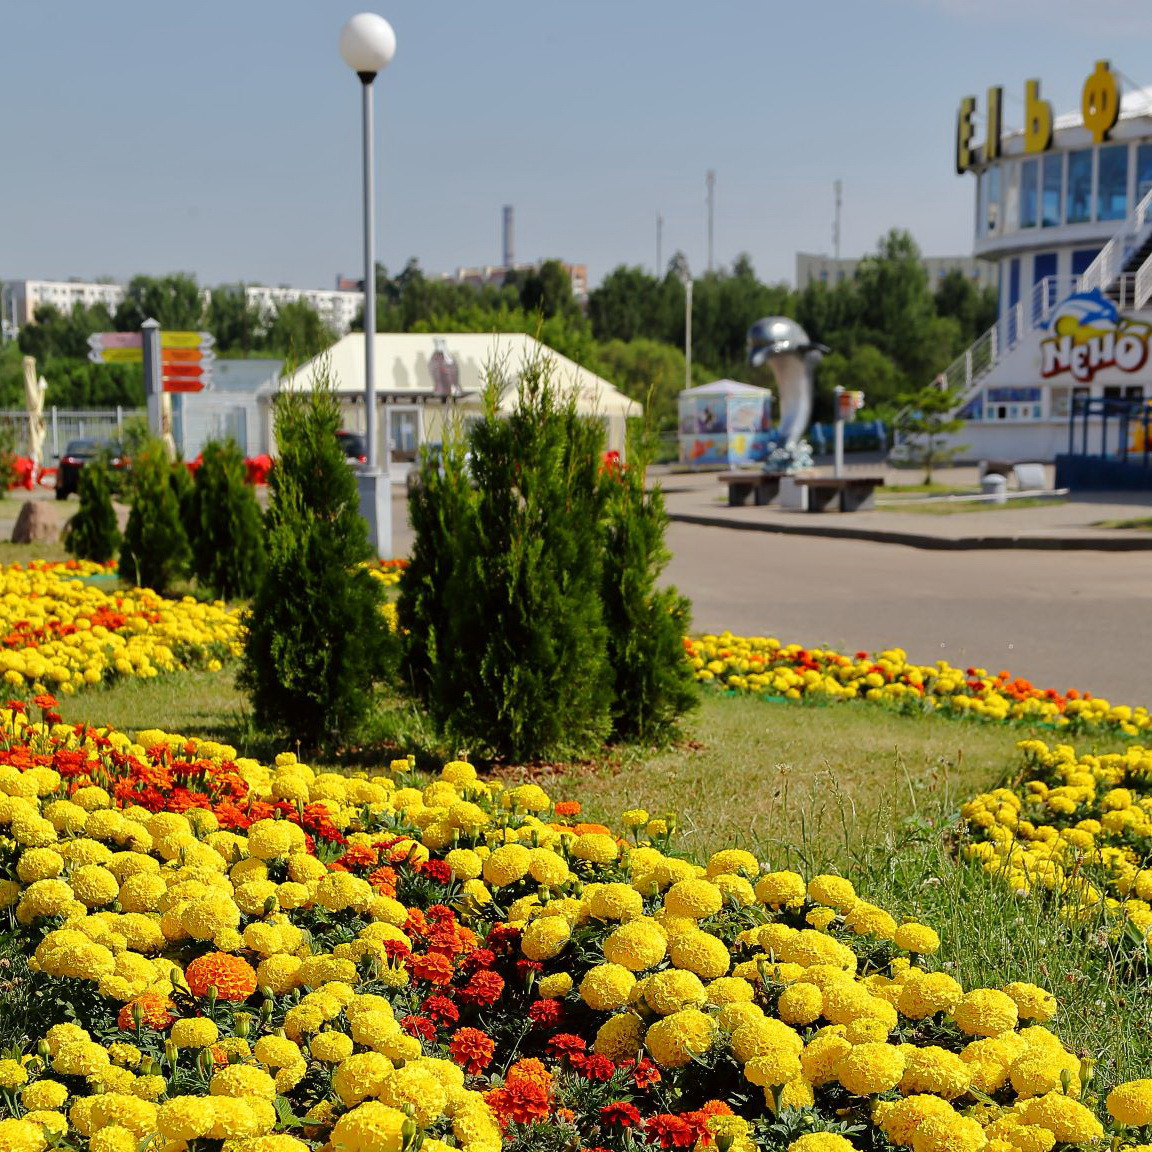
{"points": [[889, 329]]}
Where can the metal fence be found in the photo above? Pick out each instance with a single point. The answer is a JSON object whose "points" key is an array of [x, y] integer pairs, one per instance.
{"points": [[62, 425]]}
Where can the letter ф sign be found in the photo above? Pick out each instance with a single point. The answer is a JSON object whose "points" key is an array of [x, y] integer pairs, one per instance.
{"points": [[1099, 106]]}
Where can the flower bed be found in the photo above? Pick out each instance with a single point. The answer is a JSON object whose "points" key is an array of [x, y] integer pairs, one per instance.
{"points": [[1075, 827], [765, 667], [60, 633], [288, 960]]}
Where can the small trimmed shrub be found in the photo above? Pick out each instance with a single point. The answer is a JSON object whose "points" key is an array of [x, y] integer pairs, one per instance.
{"points": [[225, 524], [155, 551], [500, 608], [93, 533], [317, 640], [653, 682]]}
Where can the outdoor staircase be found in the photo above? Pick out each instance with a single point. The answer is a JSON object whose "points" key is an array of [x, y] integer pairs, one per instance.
{"points": [[1122, 271]]}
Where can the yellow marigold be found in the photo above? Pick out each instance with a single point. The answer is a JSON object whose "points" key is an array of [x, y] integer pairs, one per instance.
{"points": [[1130, 1103], [925, 994], [834, 891], [671, 990], [595, 848], [619, 1037], [899, 1120], [554, 987], [22, 1136], [913, 937], [700, 953], [639, 944], [696, 899], [195, 1032], [465, 864], [547, 868], [545, 937], [186, 1117], [674, 1040], [870, 920], [940, 1133], [986, 1012], [934, 1070], [12, 1074], [1067, 1119], [615, 902], [729, 861], [44, 1095], [870, 1068], [361, 1075], [508, 864], [800, 1003], [371, 1127], [607, 987], [781, 889], [240, 1080], [761, 1036], [1032, 1001], [113, 1138], [822, 1142]]}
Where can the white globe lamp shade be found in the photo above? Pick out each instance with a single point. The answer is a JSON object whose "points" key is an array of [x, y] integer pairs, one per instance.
{"points": [[367, 43]]}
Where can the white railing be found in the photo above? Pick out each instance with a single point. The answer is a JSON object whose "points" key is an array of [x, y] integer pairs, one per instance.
{"points": [[1110, 262], [62, 425], [1142, 291]]}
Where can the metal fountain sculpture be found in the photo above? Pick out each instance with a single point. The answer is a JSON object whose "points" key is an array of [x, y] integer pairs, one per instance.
{"points": [[781, 347]]}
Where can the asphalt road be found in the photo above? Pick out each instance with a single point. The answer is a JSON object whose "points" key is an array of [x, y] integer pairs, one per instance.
{"points": [[1060, 619]]}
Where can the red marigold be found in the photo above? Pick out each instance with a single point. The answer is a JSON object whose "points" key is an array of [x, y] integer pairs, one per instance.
{"points": [[432, 968], [440, 1009], [474, 961], [645, 1075], [620, 1115], [546, 1013], [150, 1008], [671, 1131], [483, 989], [565, 1044], [594, 1067], [435, 870], [420, 1027], [232, 976], [472, 1050]]}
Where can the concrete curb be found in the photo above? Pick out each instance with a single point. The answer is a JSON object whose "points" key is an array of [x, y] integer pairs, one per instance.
{"points": [[929, 543]]}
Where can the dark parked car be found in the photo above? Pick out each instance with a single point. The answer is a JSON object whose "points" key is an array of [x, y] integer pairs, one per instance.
{"points": [[76, 454], [355, 448]]}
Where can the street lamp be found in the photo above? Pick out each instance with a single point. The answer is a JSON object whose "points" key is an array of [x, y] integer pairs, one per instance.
{"points": [[367, 44]]}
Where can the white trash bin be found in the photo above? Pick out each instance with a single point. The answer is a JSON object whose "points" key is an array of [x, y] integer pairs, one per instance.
{"points": [[996, 486]]}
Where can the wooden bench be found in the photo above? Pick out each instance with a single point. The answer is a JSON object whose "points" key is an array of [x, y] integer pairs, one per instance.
{"points": [[854, 493], [763, 487]]}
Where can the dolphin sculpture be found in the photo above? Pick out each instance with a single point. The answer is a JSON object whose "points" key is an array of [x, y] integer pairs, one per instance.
{"points": [[783, 346]]}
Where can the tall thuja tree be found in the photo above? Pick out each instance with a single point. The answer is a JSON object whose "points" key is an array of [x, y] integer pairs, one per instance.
{"points": [[94, 532], [225, 524], [500, 609], [155, 549], [653, 683], [317, 637]]}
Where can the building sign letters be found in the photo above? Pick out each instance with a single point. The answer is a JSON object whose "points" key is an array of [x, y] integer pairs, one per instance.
{"points": [[1099, 106], [1088, 334]]}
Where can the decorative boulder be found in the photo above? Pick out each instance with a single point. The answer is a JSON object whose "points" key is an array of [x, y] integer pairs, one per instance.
{"points": [[38, 520]]}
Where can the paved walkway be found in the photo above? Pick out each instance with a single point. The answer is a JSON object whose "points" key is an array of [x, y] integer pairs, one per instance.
{"points": [[1067, 524]]}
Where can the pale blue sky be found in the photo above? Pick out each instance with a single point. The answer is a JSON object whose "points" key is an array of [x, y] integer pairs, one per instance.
{"points": [[223, 139]]}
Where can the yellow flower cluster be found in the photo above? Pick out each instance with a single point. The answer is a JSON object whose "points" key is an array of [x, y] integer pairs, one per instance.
{"points": [[763, 666], [805, 990], [1077, 826], [60, 634]]}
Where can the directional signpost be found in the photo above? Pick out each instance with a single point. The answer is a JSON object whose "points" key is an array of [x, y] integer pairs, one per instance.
{"points": [[185, 357]]}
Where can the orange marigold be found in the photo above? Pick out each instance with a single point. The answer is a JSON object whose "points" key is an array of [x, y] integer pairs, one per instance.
{"points": [[232, 976], [150, 1009], [569, 808]]}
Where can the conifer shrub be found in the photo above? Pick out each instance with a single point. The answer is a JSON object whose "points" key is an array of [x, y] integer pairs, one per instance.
{"points": [[653, 683], [154, 552], [509, 604], [93, 533], [317, 639], [225, 524]]}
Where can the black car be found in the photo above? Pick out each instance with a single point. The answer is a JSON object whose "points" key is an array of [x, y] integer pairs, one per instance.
{"points": [[355, 448], [76, 454]]}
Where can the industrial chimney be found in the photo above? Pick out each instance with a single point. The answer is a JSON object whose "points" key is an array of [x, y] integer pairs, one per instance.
{"points": [[509, 256]]}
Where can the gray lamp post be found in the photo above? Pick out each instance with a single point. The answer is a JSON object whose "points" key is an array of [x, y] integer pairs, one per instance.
{"points": [[367, 44]]}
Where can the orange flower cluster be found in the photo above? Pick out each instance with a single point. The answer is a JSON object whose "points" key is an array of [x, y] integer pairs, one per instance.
{"points": [[232, 977], [526, 1095]]}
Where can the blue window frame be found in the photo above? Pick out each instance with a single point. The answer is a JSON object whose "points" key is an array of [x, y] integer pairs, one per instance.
{"points": [[1053, 171], [1079, 198], [1143, 170], [1029, 193], [1112, 184], [1081, 258]]}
